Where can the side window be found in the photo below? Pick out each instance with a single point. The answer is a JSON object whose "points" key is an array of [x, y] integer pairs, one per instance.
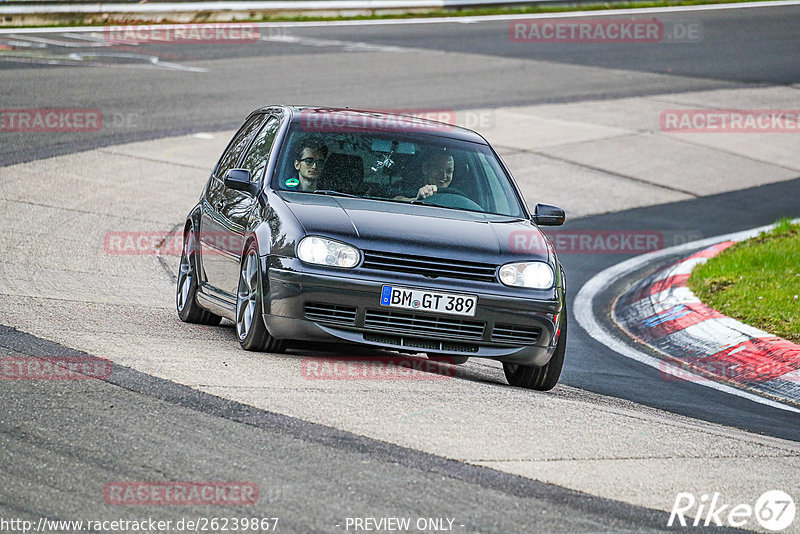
{"points": [[239, 142], [256, 158]]}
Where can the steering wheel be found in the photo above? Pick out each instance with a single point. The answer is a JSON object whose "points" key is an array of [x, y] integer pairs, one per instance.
{"points": [[453, 198]]}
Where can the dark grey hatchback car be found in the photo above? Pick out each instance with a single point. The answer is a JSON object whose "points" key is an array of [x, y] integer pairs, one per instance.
{"points": [[383, 230]]}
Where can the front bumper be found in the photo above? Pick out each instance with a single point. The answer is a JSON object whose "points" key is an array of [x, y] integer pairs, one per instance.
{"points": [[305, 303]]}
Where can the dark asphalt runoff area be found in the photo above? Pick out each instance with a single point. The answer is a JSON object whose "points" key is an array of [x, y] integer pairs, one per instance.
{"points": [[62, 442]]}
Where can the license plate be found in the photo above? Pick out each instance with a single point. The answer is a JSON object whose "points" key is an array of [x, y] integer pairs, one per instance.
{"points": [[429, 301]]}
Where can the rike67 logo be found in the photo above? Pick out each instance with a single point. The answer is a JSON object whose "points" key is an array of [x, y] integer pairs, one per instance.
{"points": [[774, 510]]}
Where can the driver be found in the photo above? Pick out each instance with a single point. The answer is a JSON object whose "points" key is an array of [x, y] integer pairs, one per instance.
{"points": [[308, 162], [437, 174]]}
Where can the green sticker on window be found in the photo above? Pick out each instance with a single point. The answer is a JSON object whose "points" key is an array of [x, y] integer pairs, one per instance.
{"points": [[292, 182]]}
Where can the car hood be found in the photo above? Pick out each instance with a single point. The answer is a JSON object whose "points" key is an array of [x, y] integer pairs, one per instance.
{"points": [[417, 229]]}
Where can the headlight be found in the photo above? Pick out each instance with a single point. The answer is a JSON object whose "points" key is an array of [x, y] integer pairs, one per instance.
{"points": [[531, 274], [327, 252]]}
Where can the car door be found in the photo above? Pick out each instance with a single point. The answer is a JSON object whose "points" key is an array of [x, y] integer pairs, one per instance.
{"points": [[239, 207], [214, 233]]}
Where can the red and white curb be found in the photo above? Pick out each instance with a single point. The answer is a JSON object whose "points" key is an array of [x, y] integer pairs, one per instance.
{"points": [[696, 342], [662, 312]]}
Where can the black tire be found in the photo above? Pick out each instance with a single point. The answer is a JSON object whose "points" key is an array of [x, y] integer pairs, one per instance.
{"points": [[250, 328], [542, 378], [186, 304]]}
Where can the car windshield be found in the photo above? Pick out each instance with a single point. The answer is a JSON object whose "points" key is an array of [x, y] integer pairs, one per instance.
{"points": [[396, 166]]}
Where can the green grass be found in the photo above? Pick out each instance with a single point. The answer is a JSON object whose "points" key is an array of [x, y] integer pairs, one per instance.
{"points": [[757, 281], [91, 20]]}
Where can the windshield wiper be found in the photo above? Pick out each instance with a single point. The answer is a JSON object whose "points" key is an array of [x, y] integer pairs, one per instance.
{"points": [[335, 193]]}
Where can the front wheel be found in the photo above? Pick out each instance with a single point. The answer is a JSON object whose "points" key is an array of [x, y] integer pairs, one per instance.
{"points": [[250, 328], [542, 378]]}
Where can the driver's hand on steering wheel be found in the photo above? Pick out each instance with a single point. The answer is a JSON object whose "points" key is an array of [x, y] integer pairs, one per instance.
{"points": [[426, 191]]}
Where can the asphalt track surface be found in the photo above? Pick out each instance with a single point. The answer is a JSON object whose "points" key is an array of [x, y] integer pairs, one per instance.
{"points": [[136, 427], [140, 427], [140, 100]]}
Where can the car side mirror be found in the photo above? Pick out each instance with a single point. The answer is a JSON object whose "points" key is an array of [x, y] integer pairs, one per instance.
{"points": [[239, 179], [547, 215]]}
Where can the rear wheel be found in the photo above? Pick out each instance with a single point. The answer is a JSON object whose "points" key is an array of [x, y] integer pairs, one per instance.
{"points": [[250, 328], [185, 297], [542, 378]]}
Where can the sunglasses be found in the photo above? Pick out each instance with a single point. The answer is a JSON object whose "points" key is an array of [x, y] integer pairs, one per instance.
{"points": [[312, 161]]}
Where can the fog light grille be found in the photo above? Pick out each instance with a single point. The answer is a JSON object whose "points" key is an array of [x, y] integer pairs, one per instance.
{"points": [[330, 313], [522, 335]]}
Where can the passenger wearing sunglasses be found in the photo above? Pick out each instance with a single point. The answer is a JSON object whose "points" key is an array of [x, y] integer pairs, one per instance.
{"points": [[309, 160]]}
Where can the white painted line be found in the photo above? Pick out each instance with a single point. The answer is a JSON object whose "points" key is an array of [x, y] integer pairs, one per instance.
{"points": [[584, 312], [22, 44], [41, 61], [686, 267], [61, 42], [78, 60], [716, 335], [458, 20], [739, 329], [793, 376], [348, 46], [674, 296]]}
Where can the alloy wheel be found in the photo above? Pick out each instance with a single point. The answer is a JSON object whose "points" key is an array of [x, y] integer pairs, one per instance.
{"points": [[247, 294]]}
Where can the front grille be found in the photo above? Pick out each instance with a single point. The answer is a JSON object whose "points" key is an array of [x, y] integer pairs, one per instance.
{"points": [[330, 313], [419, 343], [459, 347], [380, 338], [421, 325], [523, 335], [430, 267]]}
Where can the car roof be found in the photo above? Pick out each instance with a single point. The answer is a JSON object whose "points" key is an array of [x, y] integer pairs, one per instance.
{"points": [[412, 121]]}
